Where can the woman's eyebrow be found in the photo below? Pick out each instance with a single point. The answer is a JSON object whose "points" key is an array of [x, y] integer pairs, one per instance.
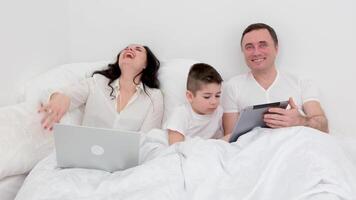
{"points": [[138, 47]]}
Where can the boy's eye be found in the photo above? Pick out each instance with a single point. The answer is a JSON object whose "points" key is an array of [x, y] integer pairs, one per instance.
{"points": [[206, 97]]}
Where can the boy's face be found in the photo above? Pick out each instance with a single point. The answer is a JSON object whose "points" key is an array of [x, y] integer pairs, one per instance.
{"points": [[206, 99]]}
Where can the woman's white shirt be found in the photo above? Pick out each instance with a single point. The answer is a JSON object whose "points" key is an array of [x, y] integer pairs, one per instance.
{"points": [[143, 112]]}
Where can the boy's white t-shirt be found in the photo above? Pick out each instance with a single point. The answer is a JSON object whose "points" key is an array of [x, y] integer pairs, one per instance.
{"points": [[187, 122]]}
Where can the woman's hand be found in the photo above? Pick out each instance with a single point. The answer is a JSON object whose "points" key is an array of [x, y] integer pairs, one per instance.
{"points": [[54, 110]]}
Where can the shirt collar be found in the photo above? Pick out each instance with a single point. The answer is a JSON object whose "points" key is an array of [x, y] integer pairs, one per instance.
{"points": [[116, 85]]}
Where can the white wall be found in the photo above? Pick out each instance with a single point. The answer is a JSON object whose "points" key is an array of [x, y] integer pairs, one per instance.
{"points": [[317, 38], [33, 38]]}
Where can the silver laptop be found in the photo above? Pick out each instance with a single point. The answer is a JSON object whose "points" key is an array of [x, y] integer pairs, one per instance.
{"points": [[95, 148], [251, 117]]}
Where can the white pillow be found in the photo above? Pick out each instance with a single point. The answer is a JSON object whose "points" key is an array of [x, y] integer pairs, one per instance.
{"points": [[22, 140], [9, 186], [38, 89], [173, 77], [59, 77]]}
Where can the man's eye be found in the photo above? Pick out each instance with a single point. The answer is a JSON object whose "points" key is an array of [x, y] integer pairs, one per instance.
{"points": [[263, 45], [217, 96], [248, 47]]}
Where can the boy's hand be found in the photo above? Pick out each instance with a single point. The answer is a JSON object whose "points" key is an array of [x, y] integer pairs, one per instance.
{"points": [[226, 137], [174, 137]]}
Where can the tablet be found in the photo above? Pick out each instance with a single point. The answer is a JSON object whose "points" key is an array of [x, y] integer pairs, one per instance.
{"points": [[251, 117]]}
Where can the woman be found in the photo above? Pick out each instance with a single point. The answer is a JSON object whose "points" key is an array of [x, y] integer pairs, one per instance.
{"points": [[125, 95]]}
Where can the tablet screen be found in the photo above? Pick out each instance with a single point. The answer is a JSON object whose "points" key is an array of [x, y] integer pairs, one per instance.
{"points": [[251, 117]]}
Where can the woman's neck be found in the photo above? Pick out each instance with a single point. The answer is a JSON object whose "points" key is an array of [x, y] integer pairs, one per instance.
{"points": [[129, 75], [128, 83]]}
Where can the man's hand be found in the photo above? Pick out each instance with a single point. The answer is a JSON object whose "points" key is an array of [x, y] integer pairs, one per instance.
{"points": [[278, 117]]}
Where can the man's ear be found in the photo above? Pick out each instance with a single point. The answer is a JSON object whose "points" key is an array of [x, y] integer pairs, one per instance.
{"points": [[189, 96]]}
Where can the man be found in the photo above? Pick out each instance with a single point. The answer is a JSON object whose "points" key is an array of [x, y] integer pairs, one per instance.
{"points": [[265, 84]]}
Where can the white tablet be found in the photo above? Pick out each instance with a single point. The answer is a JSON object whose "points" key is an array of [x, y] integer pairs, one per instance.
{"points": [[251, 117]]}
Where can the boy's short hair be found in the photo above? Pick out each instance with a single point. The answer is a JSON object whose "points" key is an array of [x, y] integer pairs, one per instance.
{"points": [[201, 73]]}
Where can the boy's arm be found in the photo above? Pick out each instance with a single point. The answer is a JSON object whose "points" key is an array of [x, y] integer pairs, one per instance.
{"points": [[177, 125], [174, 137], [229, 121]]}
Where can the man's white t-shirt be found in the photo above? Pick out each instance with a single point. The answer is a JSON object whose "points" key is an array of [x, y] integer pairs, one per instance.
{"points": [[243, 90], [189, 123]]}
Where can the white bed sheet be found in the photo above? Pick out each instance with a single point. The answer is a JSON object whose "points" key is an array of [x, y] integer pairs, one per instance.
{"points": [[348, 144], [290, 163], [9, 186]]}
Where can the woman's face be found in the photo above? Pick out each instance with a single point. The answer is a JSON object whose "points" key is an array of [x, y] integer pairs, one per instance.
{"points": [[133, 57]]}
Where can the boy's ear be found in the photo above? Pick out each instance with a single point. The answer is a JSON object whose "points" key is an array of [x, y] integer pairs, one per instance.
{"points": [[189, 96]]}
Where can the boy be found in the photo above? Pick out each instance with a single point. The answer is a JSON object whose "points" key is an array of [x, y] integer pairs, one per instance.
{"points": [[203, 115]]}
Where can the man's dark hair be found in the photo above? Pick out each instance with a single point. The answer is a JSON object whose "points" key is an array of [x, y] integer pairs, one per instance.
{"points": [[258, 26], [201, 73]]}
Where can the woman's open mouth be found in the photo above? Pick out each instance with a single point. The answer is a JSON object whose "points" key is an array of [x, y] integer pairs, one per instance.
{"points": [[129, 55]]}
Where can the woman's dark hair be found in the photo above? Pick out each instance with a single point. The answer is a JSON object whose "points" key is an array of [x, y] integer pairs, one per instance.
{"points": [[148, 74]]}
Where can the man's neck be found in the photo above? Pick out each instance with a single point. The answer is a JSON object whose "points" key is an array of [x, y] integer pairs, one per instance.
{"points": [[265, 78]]}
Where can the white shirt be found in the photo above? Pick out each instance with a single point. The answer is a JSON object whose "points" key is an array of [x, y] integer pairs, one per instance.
{"points": [[243, 90], [187, 122], [142, 113]]}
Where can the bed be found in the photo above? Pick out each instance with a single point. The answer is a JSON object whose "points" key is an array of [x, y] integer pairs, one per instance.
{"points": [[289, 163], [10, 185]]}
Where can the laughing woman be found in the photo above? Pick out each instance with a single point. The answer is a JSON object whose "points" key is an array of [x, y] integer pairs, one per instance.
{"points": [[124, 96]]}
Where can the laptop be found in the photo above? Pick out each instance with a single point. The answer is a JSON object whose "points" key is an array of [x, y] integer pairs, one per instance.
{"points": [[95, 148], [251, 117]]}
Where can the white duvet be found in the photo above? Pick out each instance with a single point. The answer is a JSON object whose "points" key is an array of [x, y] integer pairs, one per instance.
{"points": [[289, 163]]}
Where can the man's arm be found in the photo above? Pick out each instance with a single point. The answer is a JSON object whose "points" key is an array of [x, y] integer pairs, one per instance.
{"points": [[315, 117], [229, 121]]}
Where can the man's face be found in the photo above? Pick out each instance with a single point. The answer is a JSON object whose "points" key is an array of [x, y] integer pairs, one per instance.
{"points": [[259, 50]]}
